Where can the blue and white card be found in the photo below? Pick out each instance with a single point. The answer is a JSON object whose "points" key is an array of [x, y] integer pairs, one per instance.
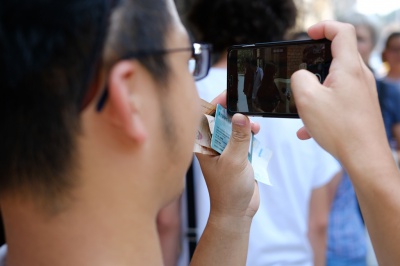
{"points": [[259, 156]]}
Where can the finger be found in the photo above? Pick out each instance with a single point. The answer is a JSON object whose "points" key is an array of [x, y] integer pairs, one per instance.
{"points": [[304, 84], [220, 99], [343, 37], [240, 138], [255, 128], [303, 134], [205, 159]]}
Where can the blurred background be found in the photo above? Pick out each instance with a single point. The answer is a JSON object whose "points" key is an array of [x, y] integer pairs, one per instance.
{"points": [[385, 13]]}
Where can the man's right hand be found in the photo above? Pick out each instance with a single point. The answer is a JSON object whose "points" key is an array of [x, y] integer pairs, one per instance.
{"points": [[343, 113]]}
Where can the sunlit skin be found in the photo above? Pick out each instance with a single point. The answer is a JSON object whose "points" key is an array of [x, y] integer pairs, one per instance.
{"points": [[355, 135]]}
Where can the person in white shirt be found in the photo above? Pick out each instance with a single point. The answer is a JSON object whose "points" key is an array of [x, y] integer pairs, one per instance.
{"points": [[290, 227]]}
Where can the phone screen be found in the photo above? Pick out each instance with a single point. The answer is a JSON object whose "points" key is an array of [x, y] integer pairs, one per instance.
{"points": [[259, 75]]}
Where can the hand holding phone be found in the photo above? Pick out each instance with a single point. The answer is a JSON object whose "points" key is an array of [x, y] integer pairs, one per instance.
{"points": [[259, 75]]}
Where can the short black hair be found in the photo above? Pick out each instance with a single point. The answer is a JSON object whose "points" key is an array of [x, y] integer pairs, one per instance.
{"points": [[139, 27], [270, 67], [393, 35], [46, 60], [228, 22]]}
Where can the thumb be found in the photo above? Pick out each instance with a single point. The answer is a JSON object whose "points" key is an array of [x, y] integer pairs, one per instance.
{"points": [[302, 84], [306, 89], [240, 138]]}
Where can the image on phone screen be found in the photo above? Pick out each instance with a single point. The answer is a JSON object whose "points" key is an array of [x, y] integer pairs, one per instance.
{"points": [[259, 75]]}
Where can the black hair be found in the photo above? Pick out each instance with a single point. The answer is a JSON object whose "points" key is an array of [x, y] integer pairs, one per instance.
{"points": [[391, 36], [140, 27], [270, 67], [227, 22], [46, 63]]}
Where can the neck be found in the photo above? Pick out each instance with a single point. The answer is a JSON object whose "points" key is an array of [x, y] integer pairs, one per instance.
{"points": [[108, 234], [110, 218]]}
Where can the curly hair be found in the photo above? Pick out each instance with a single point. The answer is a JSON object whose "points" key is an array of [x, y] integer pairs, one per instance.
{"points": [[228, 22]]}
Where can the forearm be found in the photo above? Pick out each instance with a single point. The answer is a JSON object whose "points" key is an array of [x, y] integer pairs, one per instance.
{"points": [[318, 244], [224, 242], [318, 222], [376, 180], [234, 199]]}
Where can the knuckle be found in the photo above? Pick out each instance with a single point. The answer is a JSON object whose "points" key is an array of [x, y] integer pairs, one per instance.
{"points": [[349, 27], [240, 136]]}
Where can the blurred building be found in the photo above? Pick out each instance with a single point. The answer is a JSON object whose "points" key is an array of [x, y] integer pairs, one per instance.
{"points": [[312, 11]]}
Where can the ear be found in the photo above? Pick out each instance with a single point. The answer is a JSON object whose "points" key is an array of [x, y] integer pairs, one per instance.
{"points": [[123, 108]]}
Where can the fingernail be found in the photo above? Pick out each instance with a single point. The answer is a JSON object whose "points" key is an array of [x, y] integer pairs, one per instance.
{"points": [[239, 120]]}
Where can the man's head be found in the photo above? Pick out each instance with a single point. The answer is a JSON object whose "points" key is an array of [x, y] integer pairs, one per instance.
{"points": [[47, 58], [391, 52], [366, 31], [253, 63], [56, 53], [239, 22], [270, 69]]}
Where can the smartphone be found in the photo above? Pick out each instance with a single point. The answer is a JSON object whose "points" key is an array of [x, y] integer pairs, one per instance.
{"points": [[259, 75]]}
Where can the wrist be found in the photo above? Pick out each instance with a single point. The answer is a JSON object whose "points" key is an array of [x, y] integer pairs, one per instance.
{"points": [[236, 224], [375, 161]]}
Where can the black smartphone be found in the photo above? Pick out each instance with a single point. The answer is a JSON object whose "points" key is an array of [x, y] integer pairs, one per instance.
{"points": [[259, 75]]}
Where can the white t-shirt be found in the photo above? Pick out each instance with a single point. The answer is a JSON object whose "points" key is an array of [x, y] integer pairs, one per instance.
{"points": [[278, 233]]}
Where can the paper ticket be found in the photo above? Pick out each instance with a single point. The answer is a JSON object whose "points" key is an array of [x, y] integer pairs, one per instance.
{"points": [[207, 108], [203, 137], [260, 159], [214, 134]]}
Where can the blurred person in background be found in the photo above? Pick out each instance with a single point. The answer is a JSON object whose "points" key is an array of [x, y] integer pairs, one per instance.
{"points": [[290, 227], [366, 32], [347, 241], [389, 92]]}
